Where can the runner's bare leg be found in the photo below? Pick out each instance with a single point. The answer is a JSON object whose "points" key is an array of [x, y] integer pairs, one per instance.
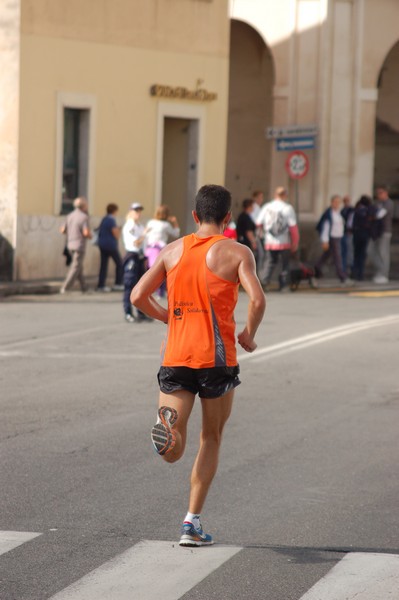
{"points": [[215, 412]]}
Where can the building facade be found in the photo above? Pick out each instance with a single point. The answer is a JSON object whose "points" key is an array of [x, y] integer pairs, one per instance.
{"points": [[146, 101], [117, 101], [330, 64]]}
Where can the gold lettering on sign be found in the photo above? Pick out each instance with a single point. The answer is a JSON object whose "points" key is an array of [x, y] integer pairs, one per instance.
{"points": [[166, 91]]}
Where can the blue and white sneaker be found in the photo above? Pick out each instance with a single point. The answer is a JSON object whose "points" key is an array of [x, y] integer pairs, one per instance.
{"points": [[162, 435], [191, 536]]}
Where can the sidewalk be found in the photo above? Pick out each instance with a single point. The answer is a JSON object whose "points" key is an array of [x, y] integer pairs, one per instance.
{"points": [[325, 285], [36, 286]]}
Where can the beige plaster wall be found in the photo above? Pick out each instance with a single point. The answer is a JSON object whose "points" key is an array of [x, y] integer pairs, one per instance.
{"points": [[171, 25], [125, 130], [116, 67], [40, 248]]}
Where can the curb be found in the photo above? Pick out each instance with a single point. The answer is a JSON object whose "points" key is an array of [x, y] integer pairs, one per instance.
{"points": [[18, 289]]}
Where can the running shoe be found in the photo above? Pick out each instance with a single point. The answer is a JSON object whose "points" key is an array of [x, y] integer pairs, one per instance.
{"points": [[191, 536], [162, 436]]}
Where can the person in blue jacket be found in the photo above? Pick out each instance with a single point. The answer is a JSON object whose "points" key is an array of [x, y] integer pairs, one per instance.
{"points": [[108, 236]]}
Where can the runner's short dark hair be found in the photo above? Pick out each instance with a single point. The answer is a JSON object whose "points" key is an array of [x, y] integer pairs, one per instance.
{"points": [[212, 203]]}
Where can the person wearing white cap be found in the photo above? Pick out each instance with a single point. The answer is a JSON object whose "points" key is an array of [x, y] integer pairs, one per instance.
{"points": [[134, 262]]}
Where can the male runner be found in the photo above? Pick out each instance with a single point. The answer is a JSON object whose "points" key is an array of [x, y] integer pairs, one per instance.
{"points": [[203, 273]]}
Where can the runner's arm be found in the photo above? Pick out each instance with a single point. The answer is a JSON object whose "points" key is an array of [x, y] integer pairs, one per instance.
{"points": [[257, 300], [141, 295]]}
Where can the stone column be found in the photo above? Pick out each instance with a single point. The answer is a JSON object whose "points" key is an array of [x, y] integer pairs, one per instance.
{"points": [[340, 96], [9, 122]]}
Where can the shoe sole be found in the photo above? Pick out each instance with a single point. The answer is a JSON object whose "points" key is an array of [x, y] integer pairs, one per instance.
{"points": [[162, 436], [187, 541]]}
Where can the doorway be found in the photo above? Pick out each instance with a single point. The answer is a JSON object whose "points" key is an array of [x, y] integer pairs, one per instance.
{"points": [[386, 166], [248, 164], [180, 168]]}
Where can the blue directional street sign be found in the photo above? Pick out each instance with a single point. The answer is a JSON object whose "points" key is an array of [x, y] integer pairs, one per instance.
{"points": [[295, 143]]}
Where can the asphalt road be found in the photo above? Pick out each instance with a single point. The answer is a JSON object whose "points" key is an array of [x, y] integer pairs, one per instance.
{"points": [[309, 464]]}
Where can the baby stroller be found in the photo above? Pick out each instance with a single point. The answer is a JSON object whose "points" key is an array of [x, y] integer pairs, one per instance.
{"points": [[302, 272]]}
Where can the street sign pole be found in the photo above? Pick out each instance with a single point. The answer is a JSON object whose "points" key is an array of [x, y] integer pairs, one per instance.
{"points": [[297, 165]]}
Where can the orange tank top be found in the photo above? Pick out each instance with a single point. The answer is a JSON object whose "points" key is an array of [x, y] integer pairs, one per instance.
{"points": [[201, 326]]}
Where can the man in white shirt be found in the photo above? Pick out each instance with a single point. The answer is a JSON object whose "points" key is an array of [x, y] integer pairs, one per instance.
{"points": [[134, 262], [331, 229], [278, 222]]}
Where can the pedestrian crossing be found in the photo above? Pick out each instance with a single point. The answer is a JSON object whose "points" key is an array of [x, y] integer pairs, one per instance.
{"points": [[364, 576], [152, 569], [12, 539], [161, 570]]}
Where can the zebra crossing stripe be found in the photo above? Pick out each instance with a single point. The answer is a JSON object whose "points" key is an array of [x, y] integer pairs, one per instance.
{"points": [[148, 570], [12, 539], [360, 576]]}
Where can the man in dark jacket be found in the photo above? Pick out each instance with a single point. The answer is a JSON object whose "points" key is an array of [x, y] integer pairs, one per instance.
{"points": [[246, 228]]}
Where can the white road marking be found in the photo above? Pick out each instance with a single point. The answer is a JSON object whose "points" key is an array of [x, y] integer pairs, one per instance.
{"points": [[57, 336], [260, 355], [319, 337], [12, 539], [149, 570], [359, 576]]}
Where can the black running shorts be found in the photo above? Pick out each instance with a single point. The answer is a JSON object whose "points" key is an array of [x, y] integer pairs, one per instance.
{"points": [[213, 382]]}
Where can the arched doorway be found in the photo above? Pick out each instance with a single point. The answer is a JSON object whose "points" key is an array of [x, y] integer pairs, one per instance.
{"points": [[250, 112], [386, 165]]}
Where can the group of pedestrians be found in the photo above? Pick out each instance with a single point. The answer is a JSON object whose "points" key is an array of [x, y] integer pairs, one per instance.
{"points": [[142, 244], [351, 234], [348, 235]]}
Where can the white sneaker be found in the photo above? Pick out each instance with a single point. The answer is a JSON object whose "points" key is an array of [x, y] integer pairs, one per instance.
{"points": [[103, 289], [118, 288], [348, 282], [380, 279]]}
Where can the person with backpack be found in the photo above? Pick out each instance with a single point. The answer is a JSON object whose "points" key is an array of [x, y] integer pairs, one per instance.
{"points": [[362, 221], [278, 221], [331, 228]]}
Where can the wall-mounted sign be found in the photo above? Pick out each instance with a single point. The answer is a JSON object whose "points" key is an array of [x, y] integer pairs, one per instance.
{"points": [[297, 164], [273, 133], [166, 91], [300, 143]]}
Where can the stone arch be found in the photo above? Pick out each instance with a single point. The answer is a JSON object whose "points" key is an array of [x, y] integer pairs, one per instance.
{"points": [[386, 162], [248, 161]]}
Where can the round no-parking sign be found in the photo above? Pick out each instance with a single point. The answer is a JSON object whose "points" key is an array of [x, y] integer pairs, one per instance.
{"points": [[297, 164]]}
